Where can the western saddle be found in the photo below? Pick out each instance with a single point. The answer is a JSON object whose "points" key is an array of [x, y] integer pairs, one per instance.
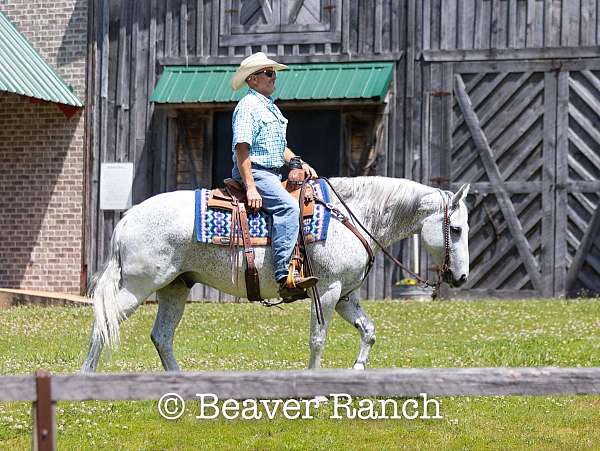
{"points": [[232, 197]]}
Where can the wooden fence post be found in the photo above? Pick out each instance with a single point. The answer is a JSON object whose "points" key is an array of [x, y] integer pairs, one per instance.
{"points": [[43, 413]]}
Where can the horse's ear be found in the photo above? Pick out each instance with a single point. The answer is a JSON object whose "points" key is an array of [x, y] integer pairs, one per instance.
{"points": [[461, 194]]}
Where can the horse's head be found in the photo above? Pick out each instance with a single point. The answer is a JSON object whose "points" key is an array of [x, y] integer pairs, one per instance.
{"points": [[445, 235]]}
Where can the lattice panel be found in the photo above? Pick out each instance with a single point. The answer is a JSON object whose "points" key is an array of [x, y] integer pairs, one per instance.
{"points": [[583, 253], [305, 12], [495, 260], [584, 125], [510, 110], [255, 12]]}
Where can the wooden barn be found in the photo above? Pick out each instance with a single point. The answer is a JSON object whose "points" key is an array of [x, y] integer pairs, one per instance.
{"points": [[503, 94]]}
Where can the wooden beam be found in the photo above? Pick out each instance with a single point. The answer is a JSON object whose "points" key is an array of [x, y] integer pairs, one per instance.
{"points": [[399, 382], [378, 27], [183, 32], [297, 104], [547, 258], [511, 54], [169, 29], [493, 173], [478, 67], [299, 37], [18, 388], [512, 23], [288, 59], [509, 187], [43, 415], [12, 297], [345, 27], [562, 176]]}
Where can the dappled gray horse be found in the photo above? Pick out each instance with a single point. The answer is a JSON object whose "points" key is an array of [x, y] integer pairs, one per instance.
{"points": [[153, 250]]}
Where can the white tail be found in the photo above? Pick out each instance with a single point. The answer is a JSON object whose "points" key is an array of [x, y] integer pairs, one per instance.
{"points": [[104, 290]]}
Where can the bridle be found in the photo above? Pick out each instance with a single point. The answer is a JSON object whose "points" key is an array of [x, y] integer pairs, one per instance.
{"points": [[441, 270], [445, 266]]}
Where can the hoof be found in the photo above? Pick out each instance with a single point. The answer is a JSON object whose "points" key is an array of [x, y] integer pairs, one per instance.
{"points": [[358, 366]]}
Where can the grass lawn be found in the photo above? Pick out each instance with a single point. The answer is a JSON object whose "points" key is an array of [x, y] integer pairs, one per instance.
{"points": [[250, 337]]}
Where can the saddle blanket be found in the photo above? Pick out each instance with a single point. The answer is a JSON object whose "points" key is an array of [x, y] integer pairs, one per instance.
{"points": [[214, 225]]}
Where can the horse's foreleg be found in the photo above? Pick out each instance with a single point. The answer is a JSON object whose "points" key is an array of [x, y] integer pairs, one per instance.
{"points": [[351, 311], [171, 303], [318, 333]]}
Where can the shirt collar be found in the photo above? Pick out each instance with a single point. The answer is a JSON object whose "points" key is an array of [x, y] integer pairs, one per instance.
{"points": [[266, 100]]}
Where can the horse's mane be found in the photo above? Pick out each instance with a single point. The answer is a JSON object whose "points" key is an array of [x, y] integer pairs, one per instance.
{"points": [[373, 194]]}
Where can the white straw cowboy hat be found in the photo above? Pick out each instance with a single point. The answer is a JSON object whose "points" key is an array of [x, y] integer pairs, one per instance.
{"points": [[253, 63]]}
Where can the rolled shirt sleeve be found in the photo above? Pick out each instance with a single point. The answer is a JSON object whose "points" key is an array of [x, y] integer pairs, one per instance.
{"points": [[243, 126]]}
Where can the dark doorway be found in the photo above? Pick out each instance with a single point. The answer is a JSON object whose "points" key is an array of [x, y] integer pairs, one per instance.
{"points": [[222, 157], [314, 135]]}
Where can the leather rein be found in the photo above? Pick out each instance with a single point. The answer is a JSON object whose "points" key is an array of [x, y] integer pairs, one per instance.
{"points": [[441, 270]]}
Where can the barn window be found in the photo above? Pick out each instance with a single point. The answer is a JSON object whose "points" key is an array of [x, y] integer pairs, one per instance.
{"points": [[256, 22]]}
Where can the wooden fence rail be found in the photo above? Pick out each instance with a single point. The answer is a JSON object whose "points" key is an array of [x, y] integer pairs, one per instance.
{"points": [[44, 390]]}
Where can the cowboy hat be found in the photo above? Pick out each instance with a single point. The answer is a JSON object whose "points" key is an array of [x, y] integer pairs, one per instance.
{"points": [[253, 63]]}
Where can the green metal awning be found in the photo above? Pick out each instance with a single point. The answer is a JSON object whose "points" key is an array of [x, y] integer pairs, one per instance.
{"points": [[337, 81], [23, 71]]}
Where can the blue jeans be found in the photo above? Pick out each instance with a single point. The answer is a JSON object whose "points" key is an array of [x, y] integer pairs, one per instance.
{"points": [[283, 209]]}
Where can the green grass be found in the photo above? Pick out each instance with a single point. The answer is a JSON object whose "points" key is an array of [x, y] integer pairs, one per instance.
{"points": [[250, 337]]}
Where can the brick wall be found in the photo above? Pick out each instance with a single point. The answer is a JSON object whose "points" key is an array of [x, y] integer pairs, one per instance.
{"points": [[41, 157]]}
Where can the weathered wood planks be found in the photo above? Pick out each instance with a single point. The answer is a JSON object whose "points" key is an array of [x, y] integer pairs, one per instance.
{"points": [[400, 382]]}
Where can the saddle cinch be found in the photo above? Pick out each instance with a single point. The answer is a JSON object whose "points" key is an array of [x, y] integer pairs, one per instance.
{"points": [[232, 197]]}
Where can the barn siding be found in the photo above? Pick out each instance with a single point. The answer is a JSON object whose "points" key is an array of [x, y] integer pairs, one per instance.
{"points": [[132, 40], [498, 24]]}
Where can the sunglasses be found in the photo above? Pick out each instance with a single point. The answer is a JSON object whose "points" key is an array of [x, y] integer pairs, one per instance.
{"points": [[268, 72]]}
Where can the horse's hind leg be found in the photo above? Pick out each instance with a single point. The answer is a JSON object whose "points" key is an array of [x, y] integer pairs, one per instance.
{"points": [[128, 301], [351, 311], [171, 303], [94, 351]]}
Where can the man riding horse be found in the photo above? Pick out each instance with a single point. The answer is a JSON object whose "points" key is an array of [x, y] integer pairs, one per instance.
{"points": [[259, 153]]}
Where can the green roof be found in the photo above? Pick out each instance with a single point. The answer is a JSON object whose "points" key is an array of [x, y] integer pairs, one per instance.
{"points": [[23, 71], [200, 84]]}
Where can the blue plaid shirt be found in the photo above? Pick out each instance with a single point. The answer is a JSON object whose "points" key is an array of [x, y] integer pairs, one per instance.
{"points": [[258, 122]]}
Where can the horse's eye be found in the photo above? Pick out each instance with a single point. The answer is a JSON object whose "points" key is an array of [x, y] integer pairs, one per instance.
{"points": [[455, 230]]}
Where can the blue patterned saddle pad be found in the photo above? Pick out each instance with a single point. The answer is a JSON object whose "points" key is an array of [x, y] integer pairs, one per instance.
{"points": [[214, 225]]}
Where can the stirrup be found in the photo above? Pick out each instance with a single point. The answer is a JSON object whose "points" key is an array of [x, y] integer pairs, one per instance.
{"points": [[297, 279]]}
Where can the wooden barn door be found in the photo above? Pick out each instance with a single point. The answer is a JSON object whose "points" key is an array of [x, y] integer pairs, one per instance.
{"points": [[578, 179], [502, 143], [528, 142]]}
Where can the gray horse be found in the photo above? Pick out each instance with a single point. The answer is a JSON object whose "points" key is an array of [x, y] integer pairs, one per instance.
{"points": [[153, 250]]}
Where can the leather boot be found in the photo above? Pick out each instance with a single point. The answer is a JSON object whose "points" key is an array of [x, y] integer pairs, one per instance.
{"points": [[287, 291]]}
